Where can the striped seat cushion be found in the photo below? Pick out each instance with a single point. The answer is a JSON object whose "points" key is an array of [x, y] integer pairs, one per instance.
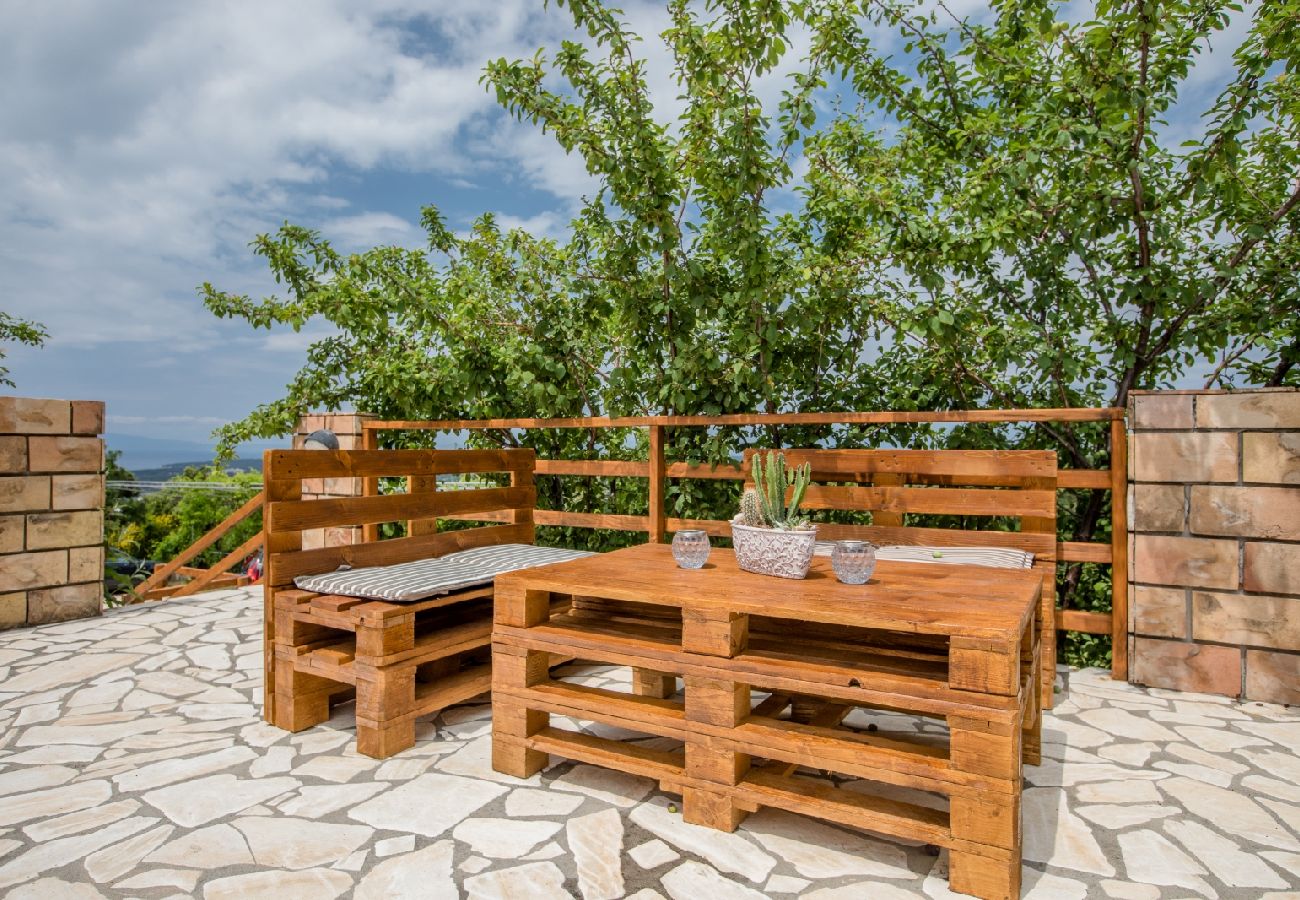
{"points": [[431, 577], [997, 557]]}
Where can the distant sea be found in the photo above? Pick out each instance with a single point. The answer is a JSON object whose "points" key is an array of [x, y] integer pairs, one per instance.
{"points": [[142, 454]]}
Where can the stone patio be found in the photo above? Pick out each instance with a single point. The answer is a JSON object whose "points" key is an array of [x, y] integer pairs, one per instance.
{"points": [[133, 763]]}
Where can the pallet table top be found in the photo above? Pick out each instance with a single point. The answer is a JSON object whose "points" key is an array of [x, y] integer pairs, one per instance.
{"points": [[972, 602]]}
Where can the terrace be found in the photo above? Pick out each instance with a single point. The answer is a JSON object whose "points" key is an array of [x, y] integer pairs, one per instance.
{"points": [[134, 762]]}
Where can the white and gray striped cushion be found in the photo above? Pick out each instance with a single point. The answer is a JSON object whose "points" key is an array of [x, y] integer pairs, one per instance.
{"points": [[439, 575], [997, 557]]}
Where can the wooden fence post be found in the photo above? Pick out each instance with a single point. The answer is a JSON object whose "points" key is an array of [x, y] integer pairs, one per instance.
{"points": [[658, 467], [1119, 548]]}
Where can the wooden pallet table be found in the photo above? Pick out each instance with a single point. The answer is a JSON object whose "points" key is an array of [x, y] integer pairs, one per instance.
{"points": [[956, 643]]}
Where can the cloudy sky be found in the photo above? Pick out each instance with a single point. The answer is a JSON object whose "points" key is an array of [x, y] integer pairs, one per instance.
{"points": [[144, 144]]}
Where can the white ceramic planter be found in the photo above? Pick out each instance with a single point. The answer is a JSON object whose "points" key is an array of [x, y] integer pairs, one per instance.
{"points": [[771, 551]]}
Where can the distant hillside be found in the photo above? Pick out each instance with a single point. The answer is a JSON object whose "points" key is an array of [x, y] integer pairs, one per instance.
{"points": [[148, 455], [170, 471]]}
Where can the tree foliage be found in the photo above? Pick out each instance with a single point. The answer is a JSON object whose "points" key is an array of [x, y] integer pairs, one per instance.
{"points": [[22, 331], [936, 213]]}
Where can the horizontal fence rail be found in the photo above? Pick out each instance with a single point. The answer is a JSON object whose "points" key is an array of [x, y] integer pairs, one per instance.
{"points": [[658, 471]]}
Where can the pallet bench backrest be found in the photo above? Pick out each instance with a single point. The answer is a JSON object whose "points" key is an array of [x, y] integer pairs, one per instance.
{"points": [[286, 515], [978, 484]]}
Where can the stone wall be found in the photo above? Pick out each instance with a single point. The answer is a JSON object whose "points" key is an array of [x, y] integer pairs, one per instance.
{"points": [[1215, 557], [51, 510], [347, 428]]}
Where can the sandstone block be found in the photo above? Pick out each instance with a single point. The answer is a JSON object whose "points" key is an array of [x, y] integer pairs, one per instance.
{"points": [[1162, 411], [1258, 621], [23, 493], [13, 610], [349, 441], [1271, 457], [21, 571], [308, 424], [1159, 507], [1183, 457], [66, 454], [75, 601], [313, 539], [1249, 409], [1272, 568], [1185, 562], [86, 564], [78, 491], [13, 454], [11, 533], [313, 488], [87, 416], [46, 531], [1183, 666], [344, 536], [1159, 611], [1273, 677], [343, 487], [24, 415], [1261, 512]]}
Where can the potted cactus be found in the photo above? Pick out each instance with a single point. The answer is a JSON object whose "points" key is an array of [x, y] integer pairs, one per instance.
{"points": [[770, 535]]}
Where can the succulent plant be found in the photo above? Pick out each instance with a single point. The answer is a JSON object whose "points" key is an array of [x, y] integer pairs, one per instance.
{"points": [[771, 479]]}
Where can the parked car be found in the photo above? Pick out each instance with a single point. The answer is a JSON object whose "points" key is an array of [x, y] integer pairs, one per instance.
{"points": [[125, 566]]}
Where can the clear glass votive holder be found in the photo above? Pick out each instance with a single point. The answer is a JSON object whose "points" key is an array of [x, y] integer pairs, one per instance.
{"points": [[691, 548], [853, 561]]}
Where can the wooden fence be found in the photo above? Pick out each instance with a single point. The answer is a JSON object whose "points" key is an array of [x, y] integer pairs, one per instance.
{"points": [[657, 471]]}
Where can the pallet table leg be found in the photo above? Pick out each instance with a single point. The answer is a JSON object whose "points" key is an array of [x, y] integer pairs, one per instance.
{"points": [[649, 683], [714, 702], [301, 700], [385, 701], [512, 722], [992, 877]]}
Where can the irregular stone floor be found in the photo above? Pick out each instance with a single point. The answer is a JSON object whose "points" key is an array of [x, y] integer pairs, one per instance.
{"points": [[133, 763]]}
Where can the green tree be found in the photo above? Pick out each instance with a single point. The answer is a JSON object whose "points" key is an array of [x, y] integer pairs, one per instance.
{"points": [[22, 331], [994, 213]]}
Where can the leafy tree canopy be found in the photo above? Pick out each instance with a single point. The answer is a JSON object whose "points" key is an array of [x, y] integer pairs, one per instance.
{"points": [[21, 331], [998, 215]]}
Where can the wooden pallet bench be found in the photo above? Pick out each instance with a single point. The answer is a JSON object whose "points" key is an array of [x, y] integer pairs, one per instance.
{"points": [[838, 648], [400, 661]]}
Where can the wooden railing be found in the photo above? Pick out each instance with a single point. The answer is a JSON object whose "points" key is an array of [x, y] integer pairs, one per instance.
{"points": [[155, 587], [658, 471]]}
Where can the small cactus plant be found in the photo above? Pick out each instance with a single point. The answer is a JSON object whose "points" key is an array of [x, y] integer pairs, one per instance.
{"points": [[751, 510], [771, 479]]}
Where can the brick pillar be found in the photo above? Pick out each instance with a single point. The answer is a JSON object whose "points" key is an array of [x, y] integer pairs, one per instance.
{"points": [[347, 427], [51, 510], [1215, 572]]}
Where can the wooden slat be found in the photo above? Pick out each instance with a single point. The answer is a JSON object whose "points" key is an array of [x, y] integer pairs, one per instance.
{"points": [[1083, 551], [162, 573], [935, 501], [394, 463], [591, 520], [222, 567], [715, 527], [828, 418], [725, 472], [289, 565], [597, 468], [324, 513], [1079, 620], [638, 760], [1083, 478], [827, 463]]}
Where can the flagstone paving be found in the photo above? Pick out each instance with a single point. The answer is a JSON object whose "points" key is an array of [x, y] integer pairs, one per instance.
{"points": [[133, 763]]}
